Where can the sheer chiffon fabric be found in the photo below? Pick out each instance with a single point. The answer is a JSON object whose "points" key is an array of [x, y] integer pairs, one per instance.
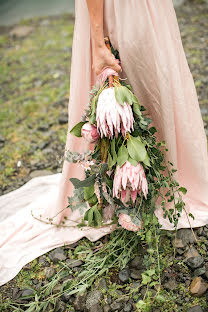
{"points": [[147, 36]]}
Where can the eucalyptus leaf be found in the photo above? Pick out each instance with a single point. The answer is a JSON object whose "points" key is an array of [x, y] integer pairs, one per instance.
{"points": [[119, 94], [133, 161], [146, 161], [122, 155], [94, 105], [76, 130], [82, 183]]}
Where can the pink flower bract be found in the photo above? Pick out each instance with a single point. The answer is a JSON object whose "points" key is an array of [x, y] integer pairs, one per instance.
{"points": [[111, 116], [89, 132], [128, 181], [125, 221]]}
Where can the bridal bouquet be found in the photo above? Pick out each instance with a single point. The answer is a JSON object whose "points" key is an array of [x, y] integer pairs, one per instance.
{"points": [[124, 173]]}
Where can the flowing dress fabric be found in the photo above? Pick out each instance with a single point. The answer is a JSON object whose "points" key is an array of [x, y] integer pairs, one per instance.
{"points": [[147, 36]]}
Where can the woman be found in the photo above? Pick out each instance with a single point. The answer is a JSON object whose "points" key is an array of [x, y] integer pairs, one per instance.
{"points": [[147, 36]]}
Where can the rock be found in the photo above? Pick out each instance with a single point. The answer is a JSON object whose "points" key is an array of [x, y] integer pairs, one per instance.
{"points": [[72, 263], [116, 306], [186, 236], [195, 262], [65, 297], [27, 292], [79, 302], [128, 307], [21, 31], [135, 285], [196, 308], [106, 308], [96, 308], [16, 292], [93, 298], [199, 271], [102, 284], [136, 274], [191, 252], [49, 272], [136, 262], [56, 289], [63, 118], [43, 127], [39, 173], [178, 243], [57, 255], [43, 261], [170, 285], [60, 306], [124, 275], [42, 145], [198, 286]]}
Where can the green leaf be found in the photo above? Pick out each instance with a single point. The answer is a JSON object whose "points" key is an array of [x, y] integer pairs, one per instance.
{"points": [[136, 149], [133, 161], [88, 191], [98, 217], [94, 105], [136, 109], [110, 161], [123, 94], [122, 155], [145, 279], [146, 161], [93, 200], [183, 190], [90, 216], [76, 130], [92, 119], [87, 182]]}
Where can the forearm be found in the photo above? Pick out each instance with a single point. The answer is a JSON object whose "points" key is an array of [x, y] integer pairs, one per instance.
{"points": [[95, 8]]}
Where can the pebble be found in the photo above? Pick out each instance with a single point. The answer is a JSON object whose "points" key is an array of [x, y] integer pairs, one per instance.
{"points": [[57, 255], [72, 263], [136, 274], [195, 262], [49, 272], [124, 275], [198, 286], [196, 308], [93, 298]]}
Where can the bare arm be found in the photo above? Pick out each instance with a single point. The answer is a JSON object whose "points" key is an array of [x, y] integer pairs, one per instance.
{"points": [[101, 55]]}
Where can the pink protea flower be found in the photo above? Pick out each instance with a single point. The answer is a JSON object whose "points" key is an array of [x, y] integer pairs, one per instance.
{"points": [[111, 116], [125, 221], [89, 132], [128, 181]]}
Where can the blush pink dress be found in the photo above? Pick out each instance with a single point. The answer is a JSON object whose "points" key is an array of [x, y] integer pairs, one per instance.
{"points": [[147, 36]]}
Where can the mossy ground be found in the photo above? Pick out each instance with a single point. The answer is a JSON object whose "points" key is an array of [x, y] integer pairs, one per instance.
{"points": [[34, 92]]}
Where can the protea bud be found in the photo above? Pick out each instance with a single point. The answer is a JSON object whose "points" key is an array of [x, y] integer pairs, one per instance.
{"points": [[89, 132]]}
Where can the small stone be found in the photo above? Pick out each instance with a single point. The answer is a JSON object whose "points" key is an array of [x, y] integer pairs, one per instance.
{"points": [[15, 293], [49, 272], [43, 261], [200, 231], [170, 285], [79, 302], [27, 292], [57, 255], [102, 284], [73, 263], [116, 306], [124, 275], [191, 252], [96, 308], [2, 139], [63, 118], [60, 306], [199, 271], [136, 274], [186, 236], [65, 297], [128, 307], [42, 145], [198, 286], [196, 308], [136, 262], [43, 127], [56, 289], [106, 308], [21, 31], [195, 262], [178, 243], [93, 298]]}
